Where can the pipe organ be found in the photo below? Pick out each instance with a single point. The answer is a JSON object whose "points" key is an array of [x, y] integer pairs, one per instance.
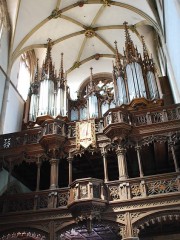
{"points": [[113, 177], [48, 93], [133, 77]]}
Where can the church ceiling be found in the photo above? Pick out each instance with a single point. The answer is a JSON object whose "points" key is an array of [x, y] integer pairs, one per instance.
{"points": [[82, 30]]}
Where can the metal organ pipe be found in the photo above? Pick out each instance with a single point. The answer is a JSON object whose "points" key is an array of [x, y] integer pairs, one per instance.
{"points": [[135, 81], [153, 90], [46, 98], [33, 111], [93, 106], [122, 98]]}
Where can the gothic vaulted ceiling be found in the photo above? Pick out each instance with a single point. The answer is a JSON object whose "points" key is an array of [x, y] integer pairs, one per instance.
{"points": [[84, 31]]}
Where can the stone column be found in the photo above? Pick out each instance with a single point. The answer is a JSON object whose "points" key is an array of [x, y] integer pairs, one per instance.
{"points": [[128, 232], [70, 159], [104, 154], [52, 230], [38, 175], [121, 155], [174, 156], [53, 176], [138, 148]]}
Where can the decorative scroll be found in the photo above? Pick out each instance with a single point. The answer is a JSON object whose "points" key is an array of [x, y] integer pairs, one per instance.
{"points": [[114, 193], [162, 186], [85, 134], [136, 190], [63, 199]]}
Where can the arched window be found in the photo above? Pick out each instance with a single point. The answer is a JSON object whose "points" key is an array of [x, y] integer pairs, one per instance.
{"points": [[94, 99], [24, 77]]}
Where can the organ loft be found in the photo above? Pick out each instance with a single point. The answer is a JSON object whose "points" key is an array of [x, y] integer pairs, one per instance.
{"points": [[102, 167]]}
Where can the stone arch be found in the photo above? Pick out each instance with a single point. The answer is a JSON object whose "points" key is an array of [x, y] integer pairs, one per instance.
{"points": [[158, 219]]}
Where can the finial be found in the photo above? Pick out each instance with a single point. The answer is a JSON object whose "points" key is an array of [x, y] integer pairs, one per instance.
{"points": [[127, 34], [145, 51], [36, 78], [61, 67], [91, 78], [130, 51], [118, 61], [49, 46], [48, 60]]}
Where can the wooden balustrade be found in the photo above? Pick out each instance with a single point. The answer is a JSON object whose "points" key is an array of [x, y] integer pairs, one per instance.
{"points": [[35, 201], [87, 189], [91, 189], [116, 115], [143, 187], [142, 117]]}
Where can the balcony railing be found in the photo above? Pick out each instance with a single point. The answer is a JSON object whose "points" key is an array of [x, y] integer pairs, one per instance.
{"points": [[87, 189], [142, 117], [116, 115], [144, 187], [91, 189], [35, 200]]}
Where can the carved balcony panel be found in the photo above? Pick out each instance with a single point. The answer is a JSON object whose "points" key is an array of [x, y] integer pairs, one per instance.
{"points": [[117, 123], [53, 134], [143, 187], [88, 199], [17, 141], [90, 196], [122, 121], [35, 201]]}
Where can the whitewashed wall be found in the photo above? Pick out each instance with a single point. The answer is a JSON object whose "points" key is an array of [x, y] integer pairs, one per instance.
{"points": [[172, 38], [11, 121], [14, 112], [4, 46]]}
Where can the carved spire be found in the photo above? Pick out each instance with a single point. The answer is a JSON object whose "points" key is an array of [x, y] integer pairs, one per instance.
{"points": [[61, 71], [48, 53], [91, 79], [118, 61], [118, 68], [34, 88], [145, 51], [36, 77], [48, 66], [148, 61], [130, 50]]}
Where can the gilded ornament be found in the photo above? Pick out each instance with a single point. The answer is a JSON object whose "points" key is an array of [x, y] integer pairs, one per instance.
{"points": [[89, 33]]}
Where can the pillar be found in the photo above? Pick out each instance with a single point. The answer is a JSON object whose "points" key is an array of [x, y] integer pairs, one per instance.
{"points": [[70, 159], [174, 157], [52, 234], [129, 233], [53, 176], [138, 148], [122, 168], [38, 175], [104, 155]]}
